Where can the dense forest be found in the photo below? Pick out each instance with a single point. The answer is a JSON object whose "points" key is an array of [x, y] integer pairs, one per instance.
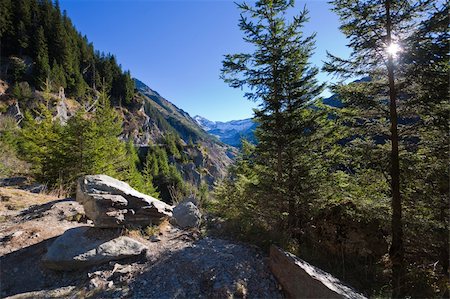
{"points": [[36, 32], [363, 189]]}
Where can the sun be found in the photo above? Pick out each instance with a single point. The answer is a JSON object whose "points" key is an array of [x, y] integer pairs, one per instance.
{"points": [[393, 49]]}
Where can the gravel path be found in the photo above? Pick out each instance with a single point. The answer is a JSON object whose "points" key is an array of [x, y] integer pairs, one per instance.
{"points": [[210, 268]]}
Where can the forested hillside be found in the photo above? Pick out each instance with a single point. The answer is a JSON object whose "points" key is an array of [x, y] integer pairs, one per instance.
{"points": [[361, 188], [39, 43], [68, 110]]}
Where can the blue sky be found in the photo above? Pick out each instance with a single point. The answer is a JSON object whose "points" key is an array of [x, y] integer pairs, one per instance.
{"points": [[176, 46]]}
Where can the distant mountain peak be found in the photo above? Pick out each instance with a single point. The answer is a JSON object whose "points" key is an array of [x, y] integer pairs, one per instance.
{"points": [[229, 132]]}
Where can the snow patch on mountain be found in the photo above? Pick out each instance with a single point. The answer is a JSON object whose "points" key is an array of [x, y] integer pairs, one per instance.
{"points": [[229, 132]]}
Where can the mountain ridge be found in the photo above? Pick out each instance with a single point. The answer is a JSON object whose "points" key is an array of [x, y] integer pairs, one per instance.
{"points": [[230, 132]]}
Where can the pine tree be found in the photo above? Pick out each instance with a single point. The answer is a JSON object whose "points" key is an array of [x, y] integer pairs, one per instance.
{"points": [[23, 21], [38, 142], [42, 67], [278, 73], [427, 71], [128, 88], [57, 77], [375, 29], [149, 172], [5, 18], [108, 127]]}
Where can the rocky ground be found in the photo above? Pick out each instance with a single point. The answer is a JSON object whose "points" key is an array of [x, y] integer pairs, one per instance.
{"points": [[177, 264]]}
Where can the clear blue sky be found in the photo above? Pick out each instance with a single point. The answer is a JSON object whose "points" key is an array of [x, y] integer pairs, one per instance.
{"points": [[176, 47]]}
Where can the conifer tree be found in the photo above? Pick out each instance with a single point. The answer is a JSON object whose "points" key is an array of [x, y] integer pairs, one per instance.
{"points": [[111, 152], [42, 67], [149, 172], [278, 73], [376, 30], [38, 142], [5, 18]]}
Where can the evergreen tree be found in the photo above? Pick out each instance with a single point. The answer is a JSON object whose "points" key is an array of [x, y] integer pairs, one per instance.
{"points": [[5, 18], [278, 73], [38, 141], [376, 29], [57, 77], [427, 70], [149, 172], [42, 67], [128, 88], [108, 127]]}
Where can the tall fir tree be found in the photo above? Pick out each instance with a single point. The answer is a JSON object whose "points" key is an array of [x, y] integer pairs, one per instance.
{"points": [[376, 31], [278, 73], [42, 66]]}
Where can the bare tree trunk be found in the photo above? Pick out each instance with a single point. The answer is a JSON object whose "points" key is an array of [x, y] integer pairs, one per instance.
{"points": [[396, 251]]}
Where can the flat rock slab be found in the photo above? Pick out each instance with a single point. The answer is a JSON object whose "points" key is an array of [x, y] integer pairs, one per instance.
{"points": [[84, 246], [302, 280], [112, 203]]}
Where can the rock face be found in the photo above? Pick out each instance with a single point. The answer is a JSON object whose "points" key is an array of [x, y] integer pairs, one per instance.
{"points": [[186, 214], [111, 203], [302, 280], [86, 246]]}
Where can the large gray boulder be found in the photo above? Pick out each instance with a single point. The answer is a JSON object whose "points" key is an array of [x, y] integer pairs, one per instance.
{"points": [[186, 214], [112, 203], [84, 246]]}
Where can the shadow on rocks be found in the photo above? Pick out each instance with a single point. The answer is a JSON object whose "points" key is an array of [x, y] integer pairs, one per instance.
{"points": [[210, 268]]}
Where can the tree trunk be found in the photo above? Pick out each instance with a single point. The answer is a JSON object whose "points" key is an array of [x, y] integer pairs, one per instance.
{"points": [[396, 251]]}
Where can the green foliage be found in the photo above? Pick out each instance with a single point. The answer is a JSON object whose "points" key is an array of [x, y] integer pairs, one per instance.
{"points": [[172, 143], [166, 177], [17, 69], [22, 91], [10, 163], [370, 121], [88, 144], [39, 30], [42, 66], [278, 74], [328, 162]]}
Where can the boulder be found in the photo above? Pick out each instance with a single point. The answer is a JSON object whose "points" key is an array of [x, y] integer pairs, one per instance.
{"points": [[186, 214], [85, 246], [112, 203], [302, 280]]}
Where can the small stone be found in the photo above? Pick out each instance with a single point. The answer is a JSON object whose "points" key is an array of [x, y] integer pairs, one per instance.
{"points": [[187, 214], [155, 239]]}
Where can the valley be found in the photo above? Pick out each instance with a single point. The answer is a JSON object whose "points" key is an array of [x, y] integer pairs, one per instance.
{"points": [[109, 188]]}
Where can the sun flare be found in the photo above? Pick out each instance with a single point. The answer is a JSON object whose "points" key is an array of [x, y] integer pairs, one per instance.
{"points": [[393, 49]]}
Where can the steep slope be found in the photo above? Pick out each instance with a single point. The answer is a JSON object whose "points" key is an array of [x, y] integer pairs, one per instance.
{"points": [[203, 158], [178, 119], [61, 61], [230, 132]]}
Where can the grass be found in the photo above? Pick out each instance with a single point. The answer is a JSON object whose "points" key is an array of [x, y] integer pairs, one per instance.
{"points": [[148, 231], [15, 199]]}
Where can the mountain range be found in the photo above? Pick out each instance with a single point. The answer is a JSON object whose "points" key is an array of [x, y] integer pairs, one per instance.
{"points": [[230, 132]]}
